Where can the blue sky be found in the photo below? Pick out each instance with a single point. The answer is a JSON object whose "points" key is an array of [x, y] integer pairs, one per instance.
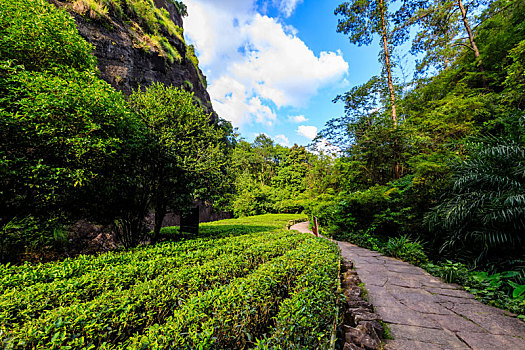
{"points": [[274, 66]]}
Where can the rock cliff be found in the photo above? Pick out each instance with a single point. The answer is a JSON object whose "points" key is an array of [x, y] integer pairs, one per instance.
{"points": [[138, 43]]}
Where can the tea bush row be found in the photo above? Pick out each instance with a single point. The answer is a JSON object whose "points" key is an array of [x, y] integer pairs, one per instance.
{"points": [[29, 274], [114, 316], [17, 305], [306, 319], [236, 315]]}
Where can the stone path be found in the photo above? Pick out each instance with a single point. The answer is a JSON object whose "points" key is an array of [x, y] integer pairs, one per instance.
{"points": [[425, 313], [303, 227]]}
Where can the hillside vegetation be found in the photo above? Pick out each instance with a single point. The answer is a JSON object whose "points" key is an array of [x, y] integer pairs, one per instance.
{"points": [[430, 170], [73, 148], [434, 165]]}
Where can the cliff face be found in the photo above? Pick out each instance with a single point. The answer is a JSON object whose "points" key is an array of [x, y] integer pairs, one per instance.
{"points": [[132, 52]]}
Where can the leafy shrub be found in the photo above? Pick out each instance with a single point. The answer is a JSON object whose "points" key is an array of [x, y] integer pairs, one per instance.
{"points": [[482, 215], [324, 208], [238, 314], [182, 9], [306, 318], [405, 249], [237, 257], [36, 34], [16, 235], [362, 239], [202, 293], [97, 10], [451, 272], [188, 150], [253, 199], [292, 206], [377, 211], [62, 132], [505, 290]]}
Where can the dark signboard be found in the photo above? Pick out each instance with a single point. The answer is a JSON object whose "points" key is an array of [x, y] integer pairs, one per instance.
{"points": [[189, 221]]}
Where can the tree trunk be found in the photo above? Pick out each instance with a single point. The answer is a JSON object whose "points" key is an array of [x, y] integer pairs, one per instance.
{"points": [[387, 62], [160, 204], [160, 213], [472, 42], [390, 83]]}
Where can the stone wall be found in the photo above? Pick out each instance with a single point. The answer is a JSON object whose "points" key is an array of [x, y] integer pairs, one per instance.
{"points": [[206, 214], [361, 329]]}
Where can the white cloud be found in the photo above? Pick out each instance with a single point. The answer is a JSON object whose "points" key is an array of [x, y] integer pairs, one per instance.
{"points": [[297, 118], [236, 104], [282, 140], [328, 148], [308, 131], [281, 68], [255, 64], [287, 7]]}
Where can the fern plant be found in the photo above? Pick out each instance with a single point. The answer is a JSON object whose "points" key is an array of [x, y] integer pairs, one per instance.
{"points": [[483, 215]]}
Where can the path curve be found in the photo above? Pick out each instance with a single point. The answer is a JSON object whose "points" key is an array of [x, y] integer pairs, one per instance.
{"points": [[303, 227], [425, 313]]}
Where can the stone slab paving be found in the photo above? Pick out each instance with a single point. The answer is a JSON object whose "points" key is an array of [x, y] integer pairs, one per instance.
{"points": [[425, 313]]}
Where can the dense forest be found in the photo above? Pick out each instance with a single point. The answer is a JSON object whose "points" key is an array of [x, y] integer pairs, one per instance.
{"points": [[430, 170]]}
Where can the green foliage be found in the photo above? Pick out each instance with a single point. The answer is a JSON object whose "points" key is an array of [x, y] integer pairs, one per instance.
{"points": [[274, 179], [305, 319], [387, 335], [504, 289], [62, 132], [60, 124], [190, 55], [209, 292], [362, 239], [394, 175], [482, 214], [17, 234], [71, 147], [188, 86], [39, 36], [166, 48], [405, 249], [182, 9], [154, 23], [188, 152], [378, 211], [515, 80], [451, 272], [96, 10], [438, 155]]}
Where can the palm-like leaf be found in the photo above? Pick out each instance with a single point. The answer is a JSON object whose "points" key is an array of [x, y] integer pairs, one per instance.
{"points": [[483, 215]]}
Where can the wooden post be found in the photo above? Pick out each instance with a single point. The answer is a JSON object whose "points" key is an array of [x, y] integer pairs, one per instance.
{"points": [[316, 228]]}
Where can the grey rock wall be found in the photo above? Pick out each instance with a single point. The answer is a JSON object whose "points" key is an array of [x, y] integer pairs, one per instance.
{"points": [[126, 66]]}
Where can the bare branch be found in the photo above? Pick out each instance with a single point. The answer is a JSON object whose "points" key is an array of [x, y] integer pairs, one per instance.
{"points": [[463, 44]]}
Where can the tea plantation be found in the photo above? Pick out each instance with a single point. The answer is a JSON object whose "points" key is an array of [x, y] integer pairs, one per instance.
{"points": [[244, 283]]}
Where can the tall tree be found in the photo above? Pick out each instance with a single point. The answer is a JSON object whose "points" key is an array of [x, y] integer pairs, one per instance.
{"points": [[438, 26], [361, 20], [442, 23]]}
